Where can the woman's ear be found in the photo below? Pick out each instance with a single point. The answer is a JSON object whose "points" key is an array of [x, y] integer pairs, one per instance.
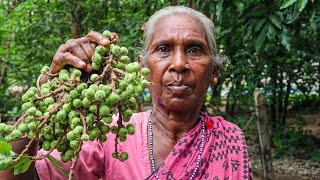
{"points": [[140, 61], [215, 75]]}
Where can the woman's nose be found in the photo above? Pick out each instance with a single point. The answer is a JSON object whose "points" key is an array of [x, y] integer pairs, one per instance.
{"points": [[179, 62]]}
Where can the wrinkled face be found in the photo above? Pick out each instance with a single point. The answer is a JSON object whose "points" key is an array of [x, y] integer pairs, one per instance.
{"points": [[180, 64]]}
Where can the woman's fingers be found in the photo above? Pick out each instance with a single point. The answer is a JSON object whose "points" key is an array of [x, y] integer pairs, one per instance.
{"points": [[75, 49], [98, 38], [61, 59], [77, 52], [86, 46]]}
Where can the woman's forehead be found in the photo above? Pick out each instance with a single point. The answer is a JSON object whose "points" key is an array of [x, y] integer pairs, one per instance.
{"points": [[180, 26]]}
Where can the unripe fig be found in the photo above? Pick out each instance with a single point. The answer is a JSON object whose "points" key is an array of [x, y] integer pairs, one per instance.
{"points": [[123, 51], [105, 129], [26, 106], [95, 66], [62, 114], [31, 111], [77, 103], [74, 94], [45, 85], [48, 100], [122, 138], [64, 77], [114, 129], [115, 50], [74, 144], [104, 110], [90, 92], [71, 136], [38, 114], [122, 131], [124, 59], [131, 130], [44, 91], [93, 108], [100, 95], [94, 77], [67, 98], [107, 34], [107, 119], [99, 50], [96, 58], [136, 67], [44, 70], [94, 87], [46, 145], [124, 156], [66, 107], [77, 73], [120, 66], [23, 128], [113, 97], [145, 71], [85, 102], [139, 89], [84, 137]]}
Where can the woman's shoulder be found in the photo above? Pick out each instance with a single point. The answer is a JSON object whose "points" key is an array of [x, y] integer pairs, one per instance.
{"points": [[223, 124]]}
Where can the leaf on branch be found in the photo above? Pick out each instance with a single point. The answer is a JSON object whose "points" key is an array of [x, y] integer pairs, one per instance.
{"points": [[56, 164], [5, 148], [22, 165], [285, 40], [275, 20], [261, 38], [302, 4], [288, 3], [258, 25], [1, 138]]}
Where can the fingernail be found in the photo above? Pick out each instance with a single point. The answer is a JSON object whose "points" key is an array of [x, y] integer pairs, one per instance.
{"points": [[81, 63], [105, 41]]}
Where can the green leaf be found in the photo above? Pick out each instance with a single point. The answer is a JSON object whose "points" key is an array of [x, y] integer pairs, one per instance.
{"points": [[285, 40], [1, 138], [261, 38], [271, 32], [219, 8], [5, 148], [258, 25], [56, 164], [22, 165], [275, 20], [288, 3], [302, 4], [239, 5]]}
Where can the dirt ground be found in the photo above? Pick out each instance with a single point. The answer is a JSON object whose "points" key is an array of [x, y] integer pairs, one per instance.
{"points": [[290, 168]]}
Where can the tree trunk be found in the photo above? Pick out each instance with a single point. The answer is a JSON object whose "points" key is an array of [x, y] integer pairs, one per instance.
{"points": [[175, 3], [264, 137], [285, 105], [75, 21]]}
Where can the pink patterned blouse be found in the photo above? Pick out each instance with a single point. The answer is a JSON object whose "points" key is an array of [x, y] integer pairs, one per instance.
{"points": [[224, 156]]}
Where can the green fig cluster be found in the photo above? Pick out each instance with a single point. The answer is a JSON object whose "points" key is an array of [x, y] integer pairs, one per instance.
{"points": [[74, 107]]}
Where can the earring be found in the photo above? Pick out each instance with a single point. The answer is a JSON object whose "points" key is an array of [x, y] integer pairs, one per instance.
{"points": [[215, 80]]}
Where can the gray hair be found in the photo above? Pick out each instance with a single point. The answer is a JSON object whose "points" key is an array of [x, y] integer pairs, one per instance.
{"points": [[207, 25]]}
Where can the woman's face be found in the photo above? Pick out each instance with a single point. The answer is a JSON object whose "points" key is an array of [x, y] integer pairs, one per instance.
{"points": [[180, 64]]}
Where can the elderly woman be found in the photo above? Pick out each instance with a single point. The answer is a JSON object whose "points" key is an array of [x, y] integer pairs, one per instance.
{"points": [[175, 140]]}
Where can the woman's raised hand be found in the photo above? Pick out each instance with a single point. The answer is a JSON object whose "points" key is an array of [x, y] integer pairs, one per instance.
{"points": [[77, 53]]}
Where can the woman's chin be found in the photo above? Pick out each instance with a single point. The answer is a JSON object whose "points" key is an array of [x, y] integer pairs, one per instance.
{"points": [[180, 105]]}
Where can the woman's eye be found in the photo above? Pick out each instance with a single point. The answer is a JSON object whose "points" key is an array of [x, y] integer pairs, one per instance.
{"points": [[164, 49], [194, 50]]}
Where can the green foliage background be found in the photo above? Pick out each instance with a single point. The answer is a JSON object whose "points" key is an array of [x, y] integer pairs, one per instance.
{"points": [[271, 44]]}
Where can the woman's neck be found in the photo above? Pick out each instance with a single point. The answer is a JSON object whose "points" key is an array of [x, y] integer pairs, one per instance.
{"points": [[174, 125]]}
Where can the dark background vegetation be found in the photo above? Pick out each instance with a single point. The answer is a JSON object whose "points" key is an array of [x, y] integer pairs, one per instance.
{"points": [[271, 44]]}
